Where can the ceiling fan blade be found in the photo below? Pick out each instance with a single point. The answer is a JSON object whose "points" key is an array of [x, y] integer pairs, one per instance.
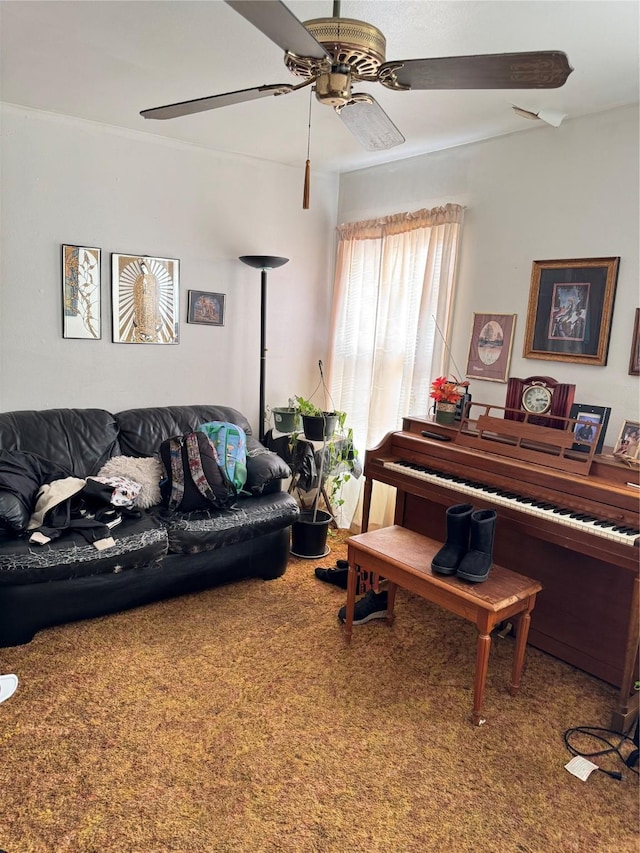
{"points": [[546, 69], [279, 24], [199, 105], [369, 123]]}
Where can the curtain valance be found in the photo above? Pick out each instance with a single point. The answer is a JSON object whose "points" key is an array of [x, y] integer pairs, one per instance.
{"points": [[399, 223]]}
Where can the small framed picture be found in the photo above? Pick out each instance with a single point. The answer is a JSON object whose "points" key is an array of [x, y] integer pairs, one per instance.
{"points": [[206, 308], [585, 430], [634, 360], [81, 292], [490, 346], [628, 443]]}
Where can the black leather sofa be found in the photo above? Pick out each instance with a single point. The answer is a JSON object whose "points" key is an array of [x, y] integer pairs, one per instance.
{"points": [[156, 556]]}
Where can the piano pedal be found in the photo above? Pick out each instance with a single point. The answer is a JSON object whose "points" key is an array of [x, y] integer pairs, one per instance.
{"points": [[504, 629]]}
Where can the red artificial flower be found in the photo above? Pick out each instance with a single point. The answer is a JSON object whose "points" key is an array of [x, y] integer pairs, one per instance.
{"points": [[445, 390]]}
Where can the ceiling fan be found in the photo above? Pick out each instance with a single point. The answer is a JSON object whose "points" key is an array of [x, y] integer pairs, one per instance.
{"points": [[333, 53]]}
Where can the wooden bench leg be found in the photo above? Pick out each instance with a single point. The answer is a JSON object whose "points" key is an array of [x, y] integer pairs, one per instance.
{"points": [[391, 601], [522, 632], [482, 662]]}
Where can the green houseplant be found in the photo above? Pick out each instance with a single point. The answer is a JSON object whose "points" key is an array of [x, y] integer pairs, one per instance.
{"points": [[286, 418], [318, 424], [340, 457], [338, 463]]}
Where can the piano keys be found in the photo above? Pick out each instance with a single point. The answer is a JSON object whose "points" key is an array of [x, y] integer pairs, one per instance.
{"points": [[507, 498], [579, 535]]}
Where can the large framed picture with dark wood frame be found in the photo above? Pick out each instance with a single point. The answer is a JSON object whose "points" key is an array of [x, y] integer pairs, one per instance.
{"points": [[570, 310]]}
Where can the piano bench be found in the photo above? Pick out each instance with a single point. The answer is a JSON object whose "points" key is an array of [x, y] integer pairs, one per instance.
{"points": [[404, 557]]}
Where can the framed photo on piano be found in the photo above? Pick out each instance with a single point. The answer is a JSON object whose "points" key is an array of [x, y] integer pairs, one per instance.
{"points": [[589, 417], [628, 443], [570, 310]]}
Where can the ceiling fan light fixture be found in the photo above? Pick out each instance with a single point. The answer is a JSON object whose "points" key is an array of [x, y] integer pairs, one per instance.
{"points": [[334, 88]]}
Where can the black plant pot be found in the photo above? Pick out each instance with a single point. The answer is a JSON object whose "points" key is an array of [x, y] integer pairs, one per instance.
{"points": [[319, 427], [309, 537]]}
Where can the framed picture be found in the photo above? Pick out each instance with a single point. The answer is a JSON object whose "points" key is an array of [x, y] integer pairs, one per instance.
{"points": [[589, 417], [634, 360], [628, 443], [490, 346], [570, 310], [206, 308], [144, 294], [81, 292]]}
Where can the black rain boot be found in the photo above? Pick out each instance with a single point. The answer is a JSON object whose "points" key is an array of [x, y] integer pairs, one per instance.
{"points": [[448, 558], [477, 562]]}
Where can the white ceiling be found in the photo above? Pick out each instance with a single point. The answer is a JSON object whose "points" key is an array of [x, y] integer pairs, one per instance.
{"points": [[106, 61]]}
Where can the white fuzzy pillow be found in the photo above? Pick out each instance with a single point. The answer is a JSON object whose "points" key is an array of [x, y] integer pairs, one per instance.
{"points": [[145, 470]]}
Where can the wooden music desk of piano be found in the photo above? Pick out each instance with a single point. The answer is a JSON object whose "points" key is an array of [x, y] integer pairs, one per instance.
{"points": [[588, 614]]}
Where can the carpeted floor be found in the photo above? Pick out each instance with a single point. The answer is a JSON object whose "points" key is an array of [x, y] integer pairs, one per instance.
{"points": [[236, 721]]}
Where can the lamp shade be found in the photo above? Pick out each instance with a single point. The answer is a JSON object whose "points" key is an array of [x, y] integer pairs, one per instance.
{"points": [[263, 262]]}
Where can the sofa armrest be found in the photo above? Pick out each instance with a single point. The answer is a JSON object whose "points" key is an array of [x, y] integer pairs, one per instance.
{"points": [[264, 468]]}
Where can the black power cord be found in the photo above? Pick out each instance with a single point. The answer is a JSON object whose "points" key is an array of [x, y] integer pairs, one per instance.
{"points": [[605, 736]]}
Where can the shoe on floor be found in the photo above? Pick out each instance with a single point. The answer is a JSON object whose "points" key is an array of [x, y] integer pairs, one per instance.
{"points": [[337, 576], [373, 605], [8, 686]]}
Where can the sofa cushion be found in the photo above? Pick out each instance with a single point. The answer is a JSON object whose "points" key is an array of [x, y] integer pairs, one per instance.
{"points": [[77, 440], [143, 430], [208, 530], [138, 542]]}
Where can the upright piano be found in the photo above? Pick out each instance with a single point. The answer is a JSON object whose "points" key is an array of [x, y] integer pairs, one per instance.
{"points": [[576, 533]]}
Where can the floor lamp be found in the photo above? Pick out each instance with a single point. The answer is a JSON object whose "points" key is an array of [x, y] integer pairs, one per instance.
{"points": [[264, 263]]}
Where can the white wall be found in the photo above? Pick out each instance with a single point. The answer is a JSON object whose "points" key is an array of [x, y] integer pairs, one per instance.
{"points": [[545, 193], [70, 181], [548, 193]]}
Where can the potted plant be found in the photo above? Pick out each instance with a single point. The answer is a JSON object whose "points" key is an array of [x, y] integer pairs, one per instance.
{"points": [[286, 418], [447, 393], [318, 424], [338, 462]]}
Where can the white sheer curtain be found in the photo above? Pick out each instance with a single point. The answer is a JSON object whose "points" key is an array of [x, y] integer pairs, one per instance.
{"points": [[393, 277]]}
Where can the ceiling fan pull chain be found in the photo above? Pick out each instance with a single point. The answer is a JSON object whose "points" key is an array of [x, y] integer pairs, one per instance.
{"points": [[307, 168]]}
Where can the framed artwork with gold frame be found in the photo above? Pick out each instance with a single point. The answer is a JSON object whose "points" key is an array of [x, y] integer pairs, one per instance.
{"points": [[570, 310]]}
